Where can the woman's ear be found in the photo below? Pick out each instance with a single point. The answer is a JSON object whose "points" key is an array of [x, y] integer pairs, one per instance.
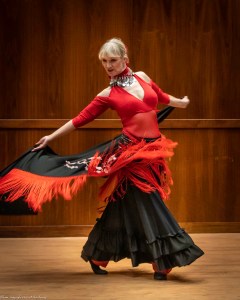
{"points": [[126, 59]]}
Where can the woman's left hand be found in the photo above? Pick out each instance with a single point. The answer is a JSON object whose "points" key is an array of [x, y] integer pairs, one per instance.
{"points": [[179, 102], [183, 103]]}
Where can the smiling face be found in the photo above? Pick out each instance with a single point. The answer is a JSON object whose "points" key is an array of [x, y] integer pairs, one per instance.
{"points": [[113, 65]]}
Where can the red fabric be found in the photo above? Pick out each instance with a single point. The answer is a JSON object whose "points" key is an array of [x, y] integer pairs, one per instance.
{"points": [[126, 71], [162, 97], [155, 268], [143, 164], [127, 107], [100, 263], [37, 189]]}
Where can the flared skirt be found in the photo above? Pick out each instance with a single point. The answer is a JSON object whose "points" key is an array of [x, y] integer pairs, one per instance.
{"points": [[140, 227]]}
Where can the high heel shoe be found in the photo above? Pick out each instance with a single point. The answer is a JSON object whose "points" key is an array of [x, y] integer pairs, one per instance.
{"points": [[160, 276], [96, 269]]}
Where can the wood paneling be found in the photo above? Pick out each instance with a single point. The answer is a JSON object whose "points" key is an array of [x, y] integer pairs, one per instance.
{"points": [[116, 123], [191, 47], [49, 50], [50, 71], [84, 230], [50, 54]]}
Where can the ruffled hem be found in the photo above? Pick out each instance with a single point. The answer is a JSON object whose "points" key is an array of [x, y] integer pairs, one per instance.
{"points": [[179, 259], [140, 227], [165, 251]]}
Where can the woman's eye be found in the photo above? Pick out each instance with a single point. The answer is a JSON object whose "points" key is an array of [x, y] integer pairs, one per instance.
{"points": [[113, 60]]}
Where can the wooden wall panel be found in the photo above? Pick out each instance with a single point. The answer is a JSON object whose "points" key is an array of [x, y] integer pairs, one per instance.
{"points": [[50, 53], [50, 71], [191, 47], [206, 176]]}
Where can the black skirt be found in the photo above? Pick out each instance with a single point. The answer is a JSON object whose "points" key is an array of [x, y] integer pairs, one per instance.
{"points": [[139, 226]]}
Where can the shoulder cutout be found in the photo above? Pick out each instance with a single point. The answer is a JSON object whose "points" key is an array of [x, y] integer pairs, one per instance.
{"points": [[105, 92], [143, 76]]}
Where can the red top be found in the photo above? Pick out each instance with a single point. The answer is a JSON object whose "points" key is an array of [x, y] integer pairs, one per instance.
{"points": [[138, 116]]}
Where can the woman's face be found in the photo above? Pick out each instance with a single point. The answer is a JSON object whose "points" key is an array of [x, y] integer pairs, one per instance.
{"points": [[113, 65]]}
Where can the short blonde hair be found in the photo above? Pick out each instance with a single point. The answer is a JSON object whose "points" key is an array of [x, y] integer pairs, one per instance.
{"points": [[113, 47]]}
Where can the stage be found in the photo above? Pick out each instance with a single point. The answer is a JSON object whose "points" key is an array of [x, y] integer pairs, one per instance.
{"points": [[51, 268]]}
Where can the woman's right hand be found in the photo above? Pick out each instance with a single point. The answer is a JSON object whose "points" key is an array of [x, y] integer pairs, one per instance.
{"points": [[42, 143]]}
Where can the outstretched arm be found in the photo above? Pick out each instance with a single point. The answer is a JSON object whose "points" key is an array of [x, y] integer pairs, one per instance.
{"points": [[97, 106], [42, 143], [179, 102], [163, 97]]}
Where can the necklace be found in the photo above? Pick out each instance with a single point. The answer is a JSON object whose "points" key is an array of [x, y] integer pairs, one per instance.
{"points": [[126, 78]]}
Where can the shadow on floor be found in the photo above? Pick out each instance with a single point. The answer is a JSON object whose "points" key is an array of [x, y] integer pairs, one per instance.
{"points": [[55, 276]]}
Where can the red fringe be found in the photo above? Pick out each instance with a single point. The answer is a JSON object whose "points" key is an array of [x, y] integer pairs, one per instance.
{"points": [[143, 164], [38, 189]]}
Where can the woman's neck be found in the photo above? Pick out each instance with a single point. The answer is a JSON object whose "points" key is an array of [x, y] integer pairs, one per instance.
{"points": [[124, 72], [123, 79]]}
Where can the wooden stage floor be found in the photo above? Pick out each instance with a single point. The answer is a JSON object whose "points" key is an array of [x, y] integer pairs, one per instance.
{"points": [[50, 268]]}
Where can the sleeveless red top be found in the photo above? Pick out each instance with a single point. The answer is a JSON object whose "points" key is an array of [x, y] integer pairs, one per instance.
{"points": [[138, 116]]}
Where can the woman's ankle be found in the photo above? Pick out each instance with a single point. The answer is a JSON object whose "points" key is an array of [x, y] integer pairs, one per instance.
{"points": [[100, 263], [157, 270], [166, 271], [96, 269]]}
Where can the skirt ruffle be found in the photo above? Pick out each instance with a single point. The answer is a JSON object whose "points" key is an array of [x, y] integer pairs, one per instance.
{"points": [[140, 227]]}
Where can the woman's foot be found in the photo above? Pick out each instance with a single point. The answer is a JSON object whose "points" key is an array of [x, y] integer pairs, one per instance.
{"points": [[96, 269], [160, 276]]}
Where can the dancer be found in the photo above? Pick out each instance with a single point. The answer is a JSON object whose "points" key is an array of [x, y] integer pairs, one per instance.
{"points": [[135, 224]]}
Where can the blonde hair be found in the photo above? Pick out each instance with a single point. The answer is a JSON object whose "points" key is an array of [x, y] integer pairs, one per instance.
{"points": [[113, 47]]}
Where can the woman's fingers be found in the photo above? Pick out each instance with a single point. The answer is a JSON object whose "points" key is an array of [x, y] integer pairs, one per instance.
{"points": [[42, 143], [185, 101]]}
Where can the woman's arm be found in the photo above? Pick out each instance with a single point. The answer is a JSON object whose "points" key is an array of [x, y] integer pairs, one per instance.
{"points": [[163, 97], [66, 128], [179, 102], [97, 106]]}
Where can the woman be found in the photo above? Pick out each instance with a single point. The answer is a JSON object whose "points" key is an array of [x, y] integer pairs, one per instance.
{"points": [[135, 223]]}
